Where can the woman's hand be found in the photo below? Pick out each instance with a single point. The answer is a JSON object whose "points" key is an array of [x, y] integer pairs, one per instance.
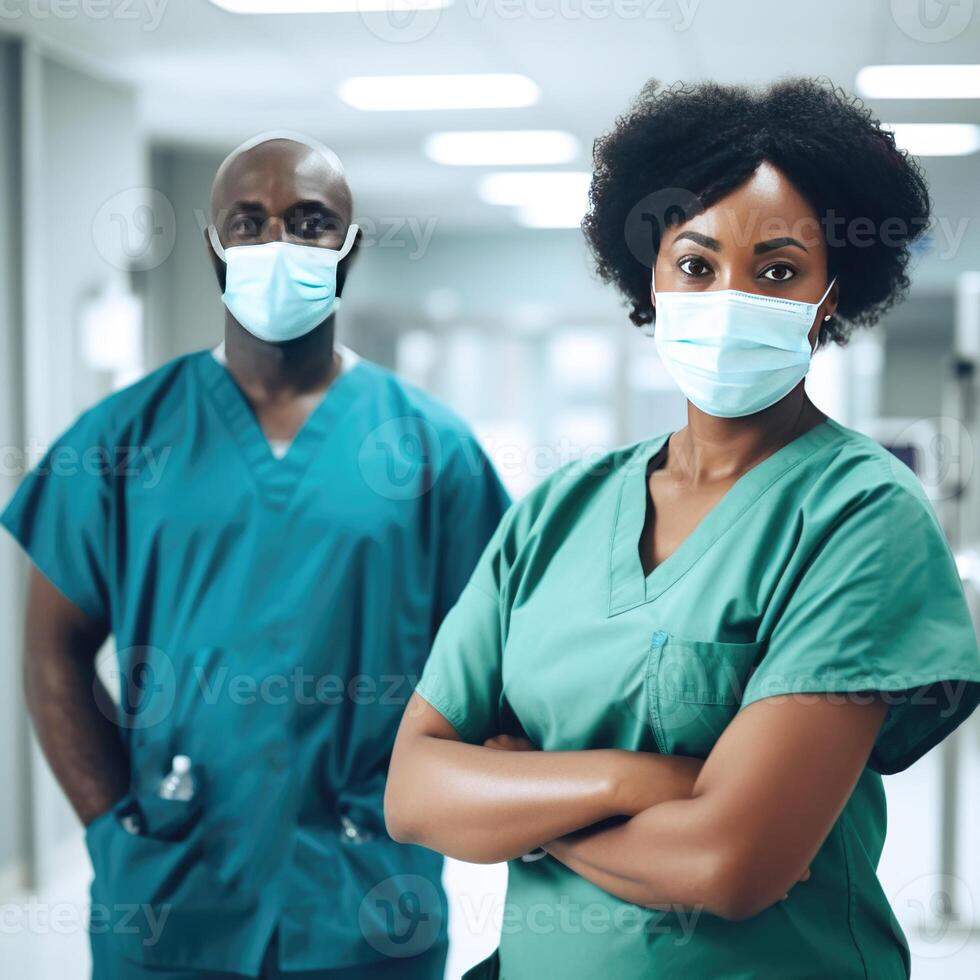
{"points": [[510, 743]]}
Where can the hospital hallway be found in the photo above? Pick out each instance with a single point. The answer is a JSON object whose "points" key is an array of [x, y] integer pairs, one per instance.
{"points": [[162, 253]]}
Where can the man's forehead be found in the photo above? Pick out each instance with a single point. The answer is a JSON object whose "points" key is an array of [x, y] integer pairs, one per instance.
{"points": [[281, 171]]}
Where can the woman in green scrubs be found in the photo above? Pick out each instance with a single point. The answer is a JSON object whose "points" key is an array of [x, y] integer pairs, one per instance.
{"points": [[682, 669]]}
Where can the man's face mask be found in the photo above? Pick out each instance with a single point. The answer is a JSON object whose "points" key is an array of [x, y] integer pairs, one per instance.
{"points": [[734, 353], [279, 291]]}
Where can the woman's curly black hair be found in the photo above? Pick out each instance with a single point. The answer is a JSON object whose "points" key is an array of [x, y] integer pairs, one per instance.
{"points": [[681, 149]]}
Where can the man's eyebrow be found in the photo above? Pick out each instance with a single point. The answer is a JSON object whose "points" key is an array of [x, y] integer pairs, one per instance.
{"points": [[705, 241], [246, 206], [312, 207], [773, 243]]}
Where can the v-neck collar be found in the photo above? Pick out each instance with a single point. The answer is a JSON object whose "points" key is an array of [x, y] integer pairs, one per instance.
{"points": [[628, 585], [278, 478]]}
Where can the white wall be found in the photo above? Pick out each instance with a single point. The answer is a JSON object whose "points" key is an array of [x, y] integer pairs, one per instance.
{"points": [[13, 809], [82, 154]]}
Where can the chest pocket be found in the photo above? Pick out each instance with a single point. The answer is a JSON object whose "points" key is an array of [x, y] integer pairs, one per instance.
{"points": [[694, 689]]}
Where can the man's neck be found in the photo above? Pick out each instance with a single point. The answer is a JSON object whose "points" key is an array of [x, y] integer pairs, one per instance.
{"points": [[265, 370]]}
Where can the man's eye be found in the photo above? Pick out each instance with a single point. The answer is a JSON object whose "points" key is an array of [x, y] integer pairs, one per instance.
{"points": [[691, 265], [315, 226], [778, 273], [243, 228]]}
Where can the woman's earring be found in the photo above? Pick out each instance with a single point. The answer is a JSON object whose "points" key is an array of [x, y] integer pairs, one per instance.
{"points": [[827, 317]]}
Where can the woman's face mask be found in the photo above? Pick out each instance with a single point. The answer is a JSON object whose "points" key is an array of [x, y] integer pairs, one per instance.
{"points": [[734, 353], [280, 291]]}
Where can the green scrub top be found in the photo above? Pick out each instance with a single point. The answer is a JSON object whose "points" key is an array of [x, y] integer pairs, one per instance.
{"points": [[822, 569], [271, 618]]}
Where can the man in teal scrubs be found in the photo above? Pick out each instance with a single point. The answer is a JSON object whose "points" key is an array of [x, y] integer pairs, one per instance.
{"points": [[272, 533]]}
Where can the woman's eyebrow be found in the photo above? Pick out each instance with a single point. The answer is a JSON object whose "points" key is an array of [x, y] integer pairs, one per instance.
{"points": [[706, 241], [774, 243]]}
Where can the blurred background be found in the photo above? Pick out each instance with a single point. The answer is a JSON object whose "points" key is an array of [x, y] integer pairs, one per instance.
{"points": [[473, 282]]}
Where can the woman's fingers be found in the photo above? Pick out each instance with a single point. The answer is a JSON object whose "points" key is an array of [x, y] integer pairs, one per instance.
{"points": [[509, 743], [803, 877]]}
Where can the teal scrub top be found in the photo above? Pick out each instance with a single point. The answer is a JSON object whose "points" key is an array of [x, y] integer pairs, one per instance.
{"points": [[822, 569], [271, 618]]}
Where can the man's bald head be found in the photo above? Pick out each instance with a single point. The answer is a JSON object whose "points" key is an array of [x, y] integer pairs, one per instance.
{"points": [[291, 186]]}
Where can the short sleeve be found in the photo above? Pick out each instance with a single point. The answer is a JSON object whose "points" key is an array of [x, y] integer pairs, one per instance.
{"points": [[879, 606], [60, 516], [472, 502], [462, 677]]}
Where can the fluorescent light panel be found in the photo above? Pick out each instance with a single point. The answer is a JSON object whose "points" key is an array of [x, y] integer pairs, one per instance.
{"points": [[502, 148], [327, 6], [535, 187], [936, 139], [543, 199], [919, 82], [408, 93], [550, 217]]}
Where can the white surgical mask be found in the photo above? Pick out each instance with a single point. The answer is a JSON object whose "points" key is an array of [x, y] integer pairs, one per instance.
{"points": [[280, 291], [734, 353]]}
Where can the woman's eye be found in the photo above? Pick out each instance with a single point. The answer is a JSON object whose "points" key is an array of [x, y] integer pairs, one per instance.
{"points": [[692, 266], [778, 273]]}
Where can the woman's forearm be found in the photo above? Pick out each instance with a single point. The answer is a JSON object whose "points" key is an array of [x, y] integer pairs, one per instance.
{"points": [[484, 805], [659, 858]]}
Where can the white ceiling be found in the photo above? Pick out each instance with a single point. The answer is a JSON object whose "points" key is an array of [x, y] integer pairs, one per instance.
{"points": [[209, 79]]}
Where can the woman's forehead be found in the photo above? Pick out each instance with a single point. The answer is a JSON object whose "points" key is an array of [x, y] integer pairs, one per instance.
{"points": [[766, 206]]}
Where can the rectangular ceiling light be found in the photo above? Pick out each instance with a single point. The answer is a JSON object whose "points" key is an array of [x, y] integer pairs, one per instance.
{"points": [[936, 139], [327, 6], [408, 93], [536, 187], [550, 217], [543, 199], [503, 148], [919, 82]]}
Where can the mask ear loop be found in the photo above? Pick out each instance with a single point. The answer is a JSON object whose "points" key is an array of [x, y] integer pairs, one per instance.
{"points": [[219, 249], [651, 328], [348, 242], [825, 295]]}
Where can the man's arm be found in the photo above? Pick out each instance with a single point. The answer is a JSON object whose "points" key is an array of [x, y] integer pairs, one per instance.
{"points": [[64, 694], [768, 795], [483, 805]]}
